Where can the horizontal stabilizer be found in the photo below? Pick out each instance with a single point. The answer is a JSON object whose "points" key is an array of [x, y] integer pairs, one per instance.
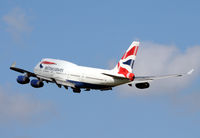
{"points": [[115, 76]]}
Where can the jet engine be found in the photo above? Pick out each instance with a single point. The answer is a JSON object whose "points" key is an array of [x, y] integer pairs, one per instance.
{"points": [[142, 85], [23, 79], [37, 83]]}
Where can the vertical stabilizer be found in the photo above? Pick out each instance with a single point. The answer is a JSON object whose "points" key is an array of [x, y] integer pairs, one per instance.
{"points": [[125, 65]]}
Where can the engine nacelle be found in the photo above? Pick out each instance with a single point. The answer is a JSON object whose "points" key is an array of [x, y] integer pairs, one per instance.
{"points": [[142, 85], [23, 80], [36, 83]]}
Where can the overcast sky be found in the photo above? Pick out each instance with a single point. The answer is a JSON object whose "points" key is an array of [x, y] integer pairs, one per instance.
{"points": [[97, 33]]}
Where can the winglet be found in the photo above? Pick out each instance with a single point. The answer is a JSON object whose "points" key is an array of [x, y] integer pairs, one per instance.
{"points": [[190, 72], [13, 64]]}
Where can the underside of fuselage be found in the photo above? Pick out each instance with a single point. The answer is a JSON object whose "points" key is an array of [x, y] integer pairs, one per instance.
{"points": [[82, 85]]}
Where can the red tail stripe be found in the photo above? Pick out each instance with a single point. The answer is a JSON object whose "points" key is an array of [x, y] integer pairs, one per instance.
{"points": [[126, 73], [123, 71], [132, 51]]}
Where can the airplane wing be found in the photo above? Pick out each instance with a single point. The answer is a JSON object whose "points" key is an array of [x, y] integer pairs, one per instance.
{"points": [[151, 78], [58, 81], [30, 74]]}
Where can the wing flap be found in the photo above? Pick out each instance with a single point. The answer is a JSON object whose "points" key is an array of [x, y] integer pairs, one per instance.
{"points": [[44, 78], [65, 83], [60, 81]]}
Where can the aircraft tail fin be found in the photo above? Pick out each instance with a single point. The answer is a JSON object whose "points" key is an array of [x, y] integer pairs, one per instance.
{"points": [[125, 65]]}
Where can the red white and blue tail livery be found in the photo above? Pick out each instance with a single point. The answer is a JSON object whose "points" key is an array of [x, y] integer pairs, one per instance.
{"points": [[125, 65], [67, 74]]}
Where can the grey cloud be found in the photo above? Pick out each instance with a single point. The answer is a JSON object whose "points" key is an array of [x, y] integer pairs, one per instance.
{"points": [[17, 23]]}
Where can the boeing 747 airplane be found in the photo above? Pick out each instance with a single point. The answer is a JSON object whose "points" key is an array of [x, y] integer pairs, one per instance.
{"points": [[67, 74]]}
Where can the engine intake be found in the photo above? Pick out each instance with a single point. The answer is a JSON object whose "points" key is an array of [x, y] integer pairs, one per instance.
{"points": [[142, 85], [37, 83], [23, 80]]}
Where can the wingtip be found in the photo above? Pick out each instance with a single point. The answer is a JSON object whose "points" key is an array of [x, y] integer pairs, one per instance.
{"points": [[190, 72], [13, 64]]}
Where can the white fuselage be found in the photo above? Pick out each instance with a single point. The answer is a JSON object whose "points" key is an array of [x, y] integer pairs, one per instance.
{"points": [[69, 74]]}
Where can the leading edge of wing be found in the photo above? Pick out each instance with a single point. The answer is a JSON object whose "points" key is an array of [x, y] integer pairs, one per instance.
{"points": [[12, 67], [151, 78], [57, 81], [29, 74]]}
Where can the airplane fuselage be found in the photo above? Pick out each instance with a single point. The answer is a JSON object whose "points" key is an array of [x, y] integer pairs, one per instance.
{"points": [[67, 73]]}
